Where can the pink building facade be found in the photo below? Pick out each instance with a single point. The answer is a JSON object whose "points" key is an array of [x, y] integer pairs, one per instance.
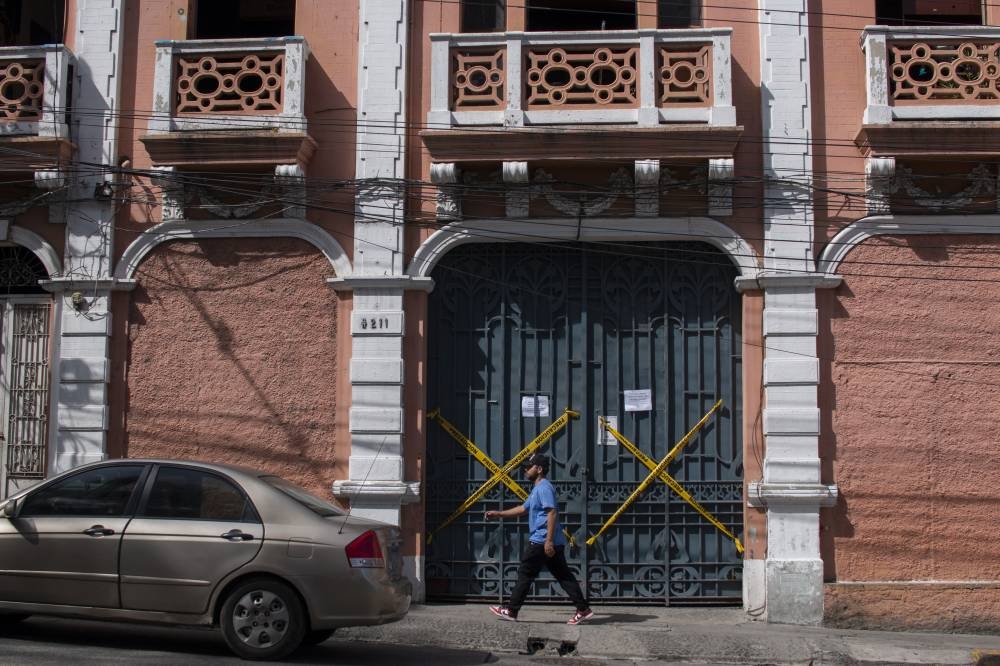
{"points": [[379, 247]]}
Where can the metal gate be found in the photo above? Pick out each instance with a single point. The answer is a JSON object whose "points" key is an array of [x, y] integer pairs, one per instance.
{"points": [[579, 326], [25, 314]]}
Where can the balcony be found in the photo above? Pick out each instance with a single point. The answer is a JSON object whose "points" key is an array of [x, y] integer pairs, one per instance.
{"points": [[521, 95], [226, 102], [931, 91], [33, 102]]}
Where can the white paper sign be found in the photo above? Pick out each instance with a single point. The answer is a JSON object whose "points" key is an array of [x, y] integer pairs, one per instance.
{"points": [[640, 400], [605, 438], [533, 406]]}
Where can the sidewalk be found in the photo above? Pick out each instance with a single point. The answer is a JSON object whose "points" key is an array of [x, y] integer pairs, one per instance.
{"points": [[692, 635]]}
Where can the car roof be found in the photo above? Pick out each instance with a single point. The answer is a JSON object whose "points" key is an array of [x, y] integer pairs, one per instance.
{"points": [[235, 470]]}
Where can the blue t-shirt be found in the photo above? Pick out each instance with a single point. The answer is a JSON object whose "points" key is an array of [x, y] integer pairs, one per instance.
{"points": [[541, 499]]}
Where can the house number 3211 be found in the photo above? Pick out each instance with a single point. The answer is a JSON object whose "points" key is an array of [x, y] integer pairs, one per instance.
{"points": [[374, 323]]}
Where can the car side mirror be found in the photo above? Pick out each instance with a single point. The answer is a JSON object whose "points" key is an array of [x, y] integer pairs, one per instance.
{"points": [[9, 509]]}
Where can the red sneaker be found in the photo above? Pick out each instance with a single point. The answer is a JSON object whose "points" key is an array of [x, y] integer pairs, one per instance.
{"points": [[580, 617], [505, 613]]}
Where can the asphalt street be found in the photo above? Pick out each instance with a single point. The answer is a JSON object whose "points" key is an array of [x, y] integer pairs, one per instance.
{"points": [[59, 642]]}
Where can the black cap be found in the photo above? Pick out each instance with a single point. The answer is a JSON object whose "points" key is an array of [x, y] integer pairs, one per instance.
{"points": [[537, 459]]}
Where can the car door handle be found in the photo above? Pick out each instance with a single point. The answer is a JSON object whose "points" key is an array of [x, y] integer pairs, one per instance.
{"points": [[98, 530], [236, 535]]}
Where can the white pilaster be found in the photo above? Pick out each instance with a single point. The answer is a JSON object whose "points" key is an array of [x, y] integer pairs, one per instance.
{"points": [[376, 486], [81, 402], [791, 489]]}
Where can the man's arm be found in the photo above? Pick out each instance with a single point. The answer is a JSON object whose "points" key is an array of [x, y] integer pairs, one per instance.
{"points": [[551, 519], [507, 513]]}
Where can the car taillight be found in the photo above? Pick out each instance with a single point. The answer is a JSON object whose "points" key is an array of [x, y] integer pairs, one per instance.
{"points": [[365, 551]]}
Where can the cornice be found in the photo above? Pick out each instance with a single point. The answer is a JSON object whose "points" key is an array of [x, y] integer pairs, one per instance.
{"points": [[761, 494], [766, 280], [401, 492], [58, 285], [405, 282]]}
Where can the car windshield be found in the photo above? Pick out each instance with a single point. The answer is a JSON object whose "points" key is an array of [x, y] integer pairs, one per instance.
{"points": [[304, 497]]}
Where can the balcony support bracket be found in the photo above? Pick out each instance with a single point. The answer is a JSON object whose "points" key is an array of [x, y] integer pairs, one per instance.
{"points": [[449, 200], [172, 193], [519, 196], [721, 172], [292, 179], [647, 188]]}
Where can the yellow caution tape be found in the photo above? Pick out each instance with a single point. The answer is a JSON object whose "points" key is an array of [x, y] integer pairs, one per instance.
{"points": [[476, 452], [674, 485], [659, 472], [504, 471], [484, 460]]}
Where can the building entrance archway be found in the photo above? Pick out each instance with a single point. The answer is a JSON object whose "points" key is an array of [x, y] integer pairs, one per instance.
{"points": [[579, 326]]}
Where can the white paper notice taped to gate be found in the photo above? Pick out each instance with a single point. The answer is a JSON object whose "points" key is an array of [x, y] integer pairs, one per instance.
{"points": [[640, 400], [605, 438], [534, 406]]}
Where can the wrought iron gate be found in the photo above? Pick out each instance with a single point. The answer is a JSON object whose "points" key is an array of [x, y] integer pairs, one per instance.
{"points": [[580, 326], [25, 314]]}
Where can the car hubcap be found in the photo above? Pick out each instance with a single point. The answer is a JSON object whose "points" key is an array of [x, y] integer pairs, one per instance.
{"points": [[260, 618]]}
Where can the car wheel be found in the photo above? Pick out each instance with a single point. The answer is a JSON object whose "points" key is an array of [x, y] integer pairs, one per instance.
{"points": [[263, 619], [317, 637]]}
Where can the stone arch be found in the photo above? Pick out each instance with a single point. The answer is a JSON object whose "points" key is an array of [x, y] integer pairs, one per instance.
{"points": [[861, 230], [187, 230], [235, 351], [38, 246], [596, 229]]}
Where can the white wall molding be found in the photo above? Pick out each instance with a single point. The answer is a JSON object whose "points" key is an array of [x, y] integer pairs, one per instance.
{"points": [[791, 494], [265, 228], [404, 282], [861, 230], [540, 230]]}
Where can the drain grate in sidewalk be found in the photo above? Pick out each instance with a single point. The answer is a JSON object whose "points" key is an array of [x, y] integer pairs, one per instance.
{"points": [[551, 647]]}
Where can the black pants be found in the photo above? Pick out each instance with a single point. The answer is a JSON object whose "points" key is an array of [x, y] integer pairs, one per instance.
{"points": [[532, 561]]}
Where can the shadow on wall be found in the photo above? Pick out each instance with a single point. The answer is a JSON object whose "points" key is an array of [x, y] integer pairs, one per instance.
{"points": [[835, 522], [232, 357]]}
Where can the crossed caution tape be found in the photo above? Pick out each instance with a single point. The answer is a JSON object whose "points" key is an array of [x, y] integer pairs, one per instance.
{"points": [[658, 471], [500, 474]]}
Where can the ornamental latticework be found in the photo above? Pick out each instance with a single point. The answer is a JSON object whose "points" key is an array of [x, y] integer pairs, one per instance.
{"points": [[958, 73], [478, 80], [21, 88], [230, 84], [20, 271], [685, 74], [561, 77]]}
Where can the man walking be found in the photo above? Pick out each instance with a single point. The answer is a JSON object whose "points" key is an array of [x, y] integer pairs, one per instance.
{"points": [[546, 544]]}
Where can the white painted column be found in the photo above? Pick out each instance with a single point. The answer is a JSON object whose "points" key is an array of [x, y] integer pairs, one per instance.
{"points": [[376, 486], [80, 418], [792, 576]]}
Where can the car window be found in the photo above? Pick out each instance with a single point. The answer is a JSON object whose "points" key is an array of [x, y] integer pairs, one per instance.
{"points": [[315, 504], [192, 494], [104, 491]]}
